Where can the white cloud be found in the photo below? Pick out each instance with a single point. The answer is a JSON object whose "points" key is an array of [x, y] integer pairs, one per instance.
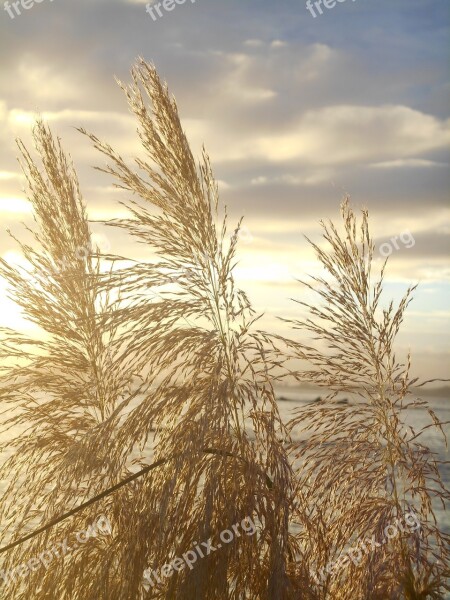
{"points": [[254, 43], [347, 134], [44, 83], [237, 85], [315, 64], [335, 135], [313, 177], [407, 163], [278, 44], [23, 117]]}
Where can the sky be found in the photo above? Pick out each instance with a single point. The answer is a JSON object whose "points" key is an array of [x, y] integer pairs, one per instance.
{"points": [[296, 111]]}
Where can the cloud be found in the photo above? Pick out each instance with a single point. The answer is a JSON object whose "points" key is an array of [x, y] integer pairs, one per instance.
{"points": [[254, 43], [408, 163], [335, 135]]}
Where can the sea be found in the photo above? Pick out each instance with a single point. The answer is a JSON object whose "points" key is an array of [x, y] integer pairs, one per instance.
{"points": [[291, 399]]}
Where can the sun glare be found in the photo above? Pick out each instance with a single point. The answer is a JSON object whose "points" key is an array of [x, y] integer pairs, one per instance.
{"points": [[14, 205]]}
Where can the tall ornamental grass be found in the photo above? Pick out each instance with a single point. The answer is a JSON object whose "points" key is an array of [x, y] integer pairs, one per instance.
{"points": [[158, 368]]}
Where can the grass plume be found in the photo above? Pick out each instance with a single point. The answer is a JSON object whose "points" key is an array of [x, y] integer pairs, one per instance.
{"points": [[361, 466]]}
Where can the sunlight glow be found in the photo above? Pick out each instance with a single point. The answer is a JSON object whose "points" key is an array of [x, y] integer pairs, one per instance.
{"points": [[14, 205]]}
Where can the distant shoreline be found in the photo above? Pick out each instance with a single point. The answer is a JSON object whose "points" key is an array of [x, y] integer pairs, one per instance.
{"points": [[441, 391]]}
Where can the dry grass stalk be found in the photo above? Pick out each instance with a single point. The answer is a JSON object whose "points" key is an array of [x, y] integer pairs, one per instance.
{"points": [[361, 466], [207, 405], [61, 388], [209, 385]]}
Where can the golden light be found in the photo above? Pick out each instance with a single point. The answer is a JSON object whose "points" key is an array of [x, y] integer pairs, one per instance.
{"points": [[14, 205]]}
